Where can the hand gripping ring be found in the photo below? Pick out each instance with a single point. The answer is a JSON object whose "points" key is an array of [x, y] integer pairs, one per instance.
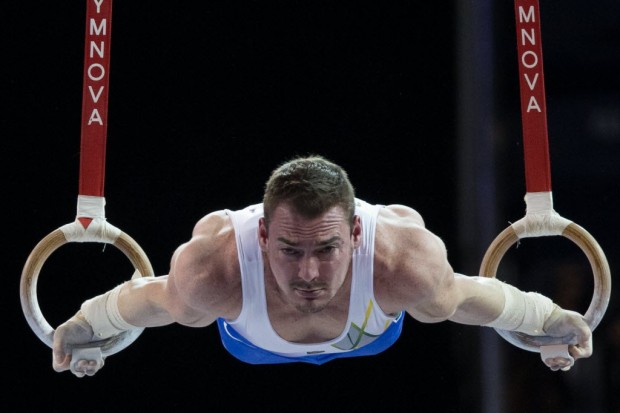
{"points": [[600, 269], [30, 274]]}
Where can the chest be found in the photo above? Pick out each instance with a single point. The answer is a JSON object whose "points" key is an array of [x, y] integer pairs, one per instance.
{"points": [[317, 327]]}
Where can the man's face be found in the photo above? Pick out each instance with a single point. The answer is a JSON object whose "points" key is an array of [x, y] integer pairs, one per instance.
{"points": [[309, 258]]}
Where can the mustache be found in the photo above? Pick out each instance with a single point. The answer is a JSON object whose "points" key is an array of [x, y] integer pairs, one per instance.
{"points": [[304, 285]]}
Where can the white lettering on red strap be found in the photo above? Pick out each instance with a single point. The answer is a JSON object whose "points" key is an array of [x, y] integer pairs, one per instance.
{"points": [[96, 71], [529, 59]]}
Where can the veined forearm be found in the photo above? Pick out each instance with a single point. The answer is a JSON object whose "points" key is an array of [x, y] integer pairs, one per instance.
{"points": [[142, 302], [479, 300], [133, 304]]}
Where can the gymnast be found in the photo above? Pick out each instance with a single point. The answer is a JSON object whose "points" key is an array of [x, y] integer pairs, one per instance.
{"points": [[312, 274]]}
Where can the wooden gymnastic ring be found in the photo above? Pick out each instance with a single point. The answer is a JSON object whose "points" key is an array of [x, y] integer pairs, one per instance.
{"points": [[600, 269], [30, 275]]}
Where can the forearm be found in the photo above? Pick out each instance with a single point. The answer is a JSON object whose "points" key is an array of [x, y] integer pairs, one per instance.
{"points": [[134, 304], [479, 300], [493, 303], [143, 302]]}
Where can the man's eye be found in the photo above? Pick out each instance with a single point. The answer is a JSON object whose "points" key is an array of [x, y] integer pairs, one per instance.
{"points": [[289, 251], [327, 250]]}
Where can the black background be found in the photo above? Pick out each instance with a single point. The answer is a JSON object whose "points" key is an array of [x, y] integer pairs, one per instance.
{"points": [[207, 98]]}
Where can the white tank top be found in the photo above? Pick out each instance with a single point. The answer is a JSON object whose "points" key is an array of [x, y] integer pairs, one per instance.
{"points": [[366, 320]]}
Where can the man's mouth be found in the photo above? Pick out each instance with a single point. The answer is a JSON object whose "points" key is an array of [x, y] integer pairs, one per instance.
{"points": [[309, 293]]}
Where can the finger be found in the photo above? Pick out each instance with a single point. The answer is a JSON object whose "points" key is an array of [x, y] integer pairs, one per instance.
{"points": [[84, 367], [60, 358], [556, 355], [90, 368], [60, 362], [582, 350], [87, 361], [78, 373], [559, 363]]}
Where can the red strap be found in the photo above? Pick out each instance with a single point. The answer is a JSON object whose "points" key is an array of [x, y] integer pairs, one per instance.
{"points": [[95, 96], [533, 105]]}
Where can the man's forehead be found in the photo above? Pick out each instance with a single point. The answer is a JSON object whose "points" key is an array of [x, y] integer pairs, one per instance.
{"points": [[295, 230], [285, 211]]}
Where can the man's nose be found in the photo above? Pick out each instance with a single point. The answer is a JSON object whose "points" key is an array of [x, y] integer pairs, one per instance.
{"points": [[308, 268]]}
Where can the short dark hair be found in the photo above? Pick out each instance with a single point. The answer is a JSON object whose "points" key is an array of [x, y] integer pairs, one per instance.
{"points": [[310, 185]]}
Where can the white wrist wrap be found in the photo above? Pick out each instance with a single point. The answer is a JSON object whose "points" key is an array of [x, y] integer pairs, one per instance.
{"points": [[523, 312], [103, 315]]}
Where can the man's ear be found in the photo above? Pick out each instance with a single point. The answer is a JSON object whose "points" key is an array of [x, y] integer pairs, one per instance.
{"points": [[262, 234], [356, 231]]}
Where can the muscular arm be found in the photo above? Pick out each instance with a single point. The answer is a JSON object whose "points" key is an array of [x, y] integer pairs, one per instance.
{"points": [[413, 274], [201, 286]]}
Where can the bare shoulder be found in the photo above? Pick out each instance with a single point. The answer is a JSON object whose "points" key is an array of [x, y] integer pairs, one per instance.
{"points": [[399, 214], [205, 270], [401, 226], [411, 262]]}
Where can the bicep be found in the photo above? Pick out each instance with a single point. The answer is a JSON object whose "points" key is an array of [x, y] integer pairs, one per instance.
{"points": [[437, 296], [184, 296], [446, 295], [431, 291], [419, 279]]}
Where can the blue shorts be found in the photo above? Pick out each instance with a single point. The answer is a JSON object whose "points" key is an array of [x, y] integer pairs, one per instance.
{"points": [[247, 352]]}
